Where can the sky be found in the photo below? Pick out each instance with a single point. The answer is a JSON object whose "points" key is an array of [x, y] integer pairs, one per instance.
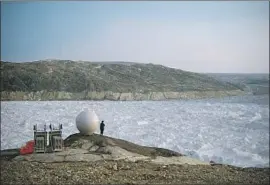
{"points": [[217, 37]]}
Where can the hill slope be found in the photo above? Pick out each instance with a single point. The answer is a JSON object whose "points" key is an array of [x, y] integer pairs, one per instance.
{"points": [[64, 79], [256, 84]]}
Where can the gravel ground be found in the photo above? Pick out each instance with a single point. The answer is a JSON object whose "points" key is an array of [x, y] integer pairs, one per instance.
{"points": [[122, 172]]}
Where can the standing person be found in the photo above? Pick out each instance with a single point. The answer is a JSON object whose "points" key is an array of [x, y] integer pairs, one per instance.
{"points": [[102, 125]]}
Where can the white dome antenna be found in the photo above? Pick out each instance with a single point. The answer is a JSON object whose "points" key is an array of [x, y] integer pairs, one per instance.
{"points": [[87, 122]]}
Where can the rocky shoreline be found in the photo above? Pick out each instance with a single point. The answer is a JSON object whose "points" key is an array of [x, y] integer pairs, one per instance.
{"points": [[114, 96], [101, 159]]}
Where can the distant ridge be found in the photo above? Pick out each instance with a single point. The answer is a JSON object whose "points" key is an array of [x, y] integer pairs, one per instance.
{"points": [[115, 80]]}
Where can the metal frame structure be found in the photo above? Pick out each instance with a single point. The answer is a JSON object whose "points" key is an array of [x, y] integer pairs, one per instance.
{"points": [[55, 140], [40, 139]]}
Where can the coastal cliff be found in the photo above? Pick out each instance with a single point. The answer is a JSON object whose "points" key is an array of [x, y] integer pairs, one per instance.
{"points": [[109, 95]]}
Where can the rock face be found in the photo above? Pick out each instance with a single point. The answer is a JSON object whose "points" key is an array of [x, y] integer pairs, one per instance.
{"points": [[108, 95], [87, 122], [94, 147], [70, 80]]}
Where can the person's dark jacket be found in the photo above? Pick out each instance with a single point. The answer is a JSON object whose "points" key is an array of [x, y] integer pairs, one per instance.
{"points": [[102, 125]]}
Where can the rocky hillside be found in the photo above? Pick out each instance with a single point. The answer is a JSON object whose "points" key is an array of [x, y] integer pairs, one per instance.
{"points": [[70, 80]]}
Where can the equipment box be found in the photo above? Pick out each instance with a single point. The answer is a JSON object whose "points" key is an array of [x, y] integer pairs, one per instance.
{"points": [[55, 140], [40, 139]]}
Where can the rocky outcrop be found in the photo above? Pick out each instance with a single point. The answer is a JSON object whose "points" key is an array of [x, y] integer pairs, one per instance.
{"points": [[109, 95], [96, 148]]}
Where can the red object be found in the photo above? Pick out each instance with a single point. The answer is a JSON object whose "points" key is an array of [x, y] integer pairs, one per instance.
{"points": [[28, 148]]}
